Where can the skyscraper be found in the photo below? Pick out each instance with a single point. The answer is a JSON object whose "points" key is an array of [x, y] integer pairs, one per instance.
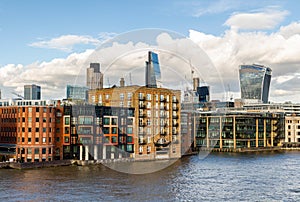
{"points": [[152, 70], [255, 83], [94, 78], [32, 92]]}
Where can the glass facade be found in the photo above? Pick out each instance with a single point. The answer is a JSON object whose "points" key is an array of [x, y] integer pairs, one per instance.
{"points": [[152, 70], [32, 92], [255, 82], [77, 92]]}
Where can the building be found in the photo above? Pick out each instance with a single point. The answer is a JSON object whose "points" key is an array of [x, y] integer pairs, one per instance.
{"points": [[152, 70], [234, 130], [32, 92], [255, 83], [28, 130], [156, 123], [94, 132], [77, 93], [94, 78]]}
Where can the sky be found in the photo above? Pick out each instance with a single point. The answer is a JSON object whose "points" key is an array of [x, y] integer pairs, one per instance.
{"points": [[48, 42]]}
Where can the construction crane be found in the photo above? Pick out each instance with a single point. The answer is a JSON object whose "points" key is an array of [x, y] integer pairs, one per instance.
{"points": [[18, 95]]}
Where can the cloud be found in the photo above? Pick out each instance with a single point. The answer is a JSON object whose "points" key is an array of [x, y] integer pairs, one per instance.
{"points": [[52, 76], [265, 19], [67, 42], [275, 50]]}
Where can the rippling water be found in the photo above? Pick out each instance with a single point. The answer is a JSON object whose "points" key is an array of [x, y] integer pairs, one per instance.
{"points": [[219, 177]]}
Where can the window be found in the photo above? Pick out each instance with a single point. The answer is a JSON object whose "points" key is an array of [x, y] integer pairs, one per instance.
{"points": [[67, 120], [44, 140], [289, 126], [37, 120], [37, 109], [129, 104], [29, 151], [129, 148], [67, 130], [129, 139], [130, 121], [23, 129], [57, 139], [148, 96], [129, 96], [114, 130], [85, 120], [44, 151], [29, 130], [66, 139], [114, 121], [44, 120], [36, 139], [23, 139], [36, 151], [106, 121], [113, 139], [106, 96], [106, 130], [29, 140], [44, 130], [29, 119], [129, 130], [45, 109], [121, 96]]}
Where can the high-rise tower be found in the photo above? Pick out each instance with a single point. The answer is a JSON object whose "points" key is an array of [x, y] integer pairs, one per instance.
{"points": [[152, 70], [32, 92], [255, 83], [94, 78]]}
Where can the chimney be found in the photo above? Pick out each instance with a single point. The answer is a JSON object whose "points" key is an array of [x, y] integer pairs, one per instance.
{"points": [[122, 82], [195, 83]]}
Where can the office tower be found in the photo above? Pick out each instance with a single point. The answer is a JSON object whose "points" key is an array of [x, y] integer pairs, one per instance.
{"points": [[152, 70], [77, 92], [255, 83], [94, 78], [203, 93], [32, 92]]}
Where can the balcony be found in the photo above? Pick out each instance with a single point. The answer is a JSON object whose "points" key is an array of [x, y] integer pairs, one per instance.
{"points": [[175, 108], [142, 115], [142, 141], [142, 98], [142, 124], [175, 116], [162, 143], [142, 106]]}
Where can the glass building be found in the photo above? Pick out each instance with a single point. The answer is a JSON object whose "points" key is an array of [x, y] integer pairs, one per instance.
{"points": [[255, 82], [77, 92], [32, 92], [152, 70]]}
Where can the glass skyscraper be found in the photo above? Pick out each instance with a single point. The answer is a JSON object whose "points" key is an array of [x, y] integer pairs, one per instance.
{"points": [[152, 70], [255, 82], [77, 92]]}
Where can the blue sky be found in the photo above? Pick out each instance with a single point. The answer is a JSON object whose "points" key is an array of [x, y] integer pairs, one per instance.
{"points": [[34, 34], [25, 22]]}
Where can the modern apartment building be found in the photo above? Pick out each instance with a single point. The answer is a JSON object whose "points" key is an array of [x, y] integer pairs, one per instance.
{"points": [[156, 125]]}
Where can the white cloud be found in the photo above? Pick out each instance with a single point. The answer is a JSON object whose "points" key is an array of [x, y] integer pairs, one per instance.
{"points": [[290, 30], [67, 42], [266, 19]]}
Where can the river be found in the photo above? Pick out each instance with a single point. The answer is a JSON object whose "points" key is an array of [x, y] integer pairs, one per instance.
{"points": [[218, 177]]}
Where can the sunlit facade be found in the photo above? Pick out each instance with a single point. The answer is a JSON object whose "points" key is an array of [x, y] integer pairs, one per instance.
{"points": [[255, 83]]}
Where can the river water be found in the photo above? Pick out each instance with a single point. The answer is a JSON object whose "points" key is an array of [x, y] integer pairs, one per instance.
{"points": [[218, 177]]}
